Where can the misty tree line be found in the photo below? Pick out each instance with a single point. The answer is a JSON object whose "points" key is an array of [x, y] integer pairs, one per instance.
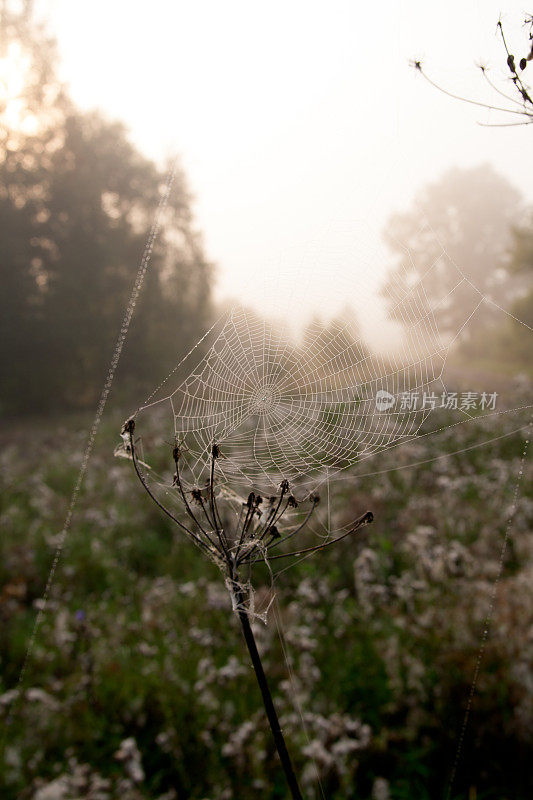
{"points": [[482, 223], [77, 200]]}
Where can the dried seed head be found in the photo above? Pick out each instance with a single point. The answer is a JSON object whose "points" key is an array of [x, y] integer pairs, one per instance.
{"points": [[315, 499], [292, 502], [273, 531], [215, 451], [196, 495], [284, 486], [250, 501]]}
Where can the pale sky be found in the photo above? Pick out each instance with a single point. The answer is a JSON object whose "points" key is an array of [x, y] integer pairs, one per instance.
{"points": [[295, 120]]}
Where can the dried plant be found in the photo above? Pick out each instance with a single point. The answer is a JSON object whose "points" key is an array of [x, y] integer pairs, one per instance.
{"points": [[255, 537], [520, 103]]}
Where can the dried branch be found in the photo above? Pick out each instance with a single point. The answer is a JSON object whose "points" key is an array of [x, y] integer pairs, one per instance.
{"points": [[522, 102]]}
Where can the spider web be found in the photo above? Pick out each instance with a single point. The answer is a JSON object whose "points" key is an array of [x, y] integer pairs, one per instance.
{"points": [[298, 406], [310, 406]]}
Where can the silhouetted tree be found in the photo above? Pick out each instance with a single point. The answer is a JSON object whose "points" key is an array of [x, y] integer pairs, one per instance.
{"points": [[76, 203]]}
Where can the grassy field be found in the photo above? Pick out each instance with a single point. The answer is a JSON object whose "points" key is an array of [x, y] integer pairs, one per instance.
{"points": [[139, 686]]}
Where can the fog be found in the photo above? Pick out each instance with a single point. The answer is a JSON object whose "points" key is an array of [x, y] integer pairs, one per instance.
{"points": [[301, 126]]}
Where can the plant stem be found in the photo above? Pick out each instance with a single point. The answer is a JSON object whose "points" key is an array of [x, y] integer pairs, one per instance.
{"points": [[267, 699]]}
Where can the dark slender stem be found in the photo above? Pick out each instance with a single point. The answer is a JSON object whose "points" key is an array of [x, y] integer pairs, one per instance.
{"points": [[242, 537], [270, 520], [210, 522], [249, 512], [366, 519], [190, 533], [300, 527], [521, 87], [188, 508], [267, 699], [274, 521], [218, 528]]}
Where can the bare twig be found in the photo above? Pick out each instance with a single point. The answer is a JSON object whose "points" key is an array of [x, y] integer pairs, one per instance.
{"points": [[523, 102]]}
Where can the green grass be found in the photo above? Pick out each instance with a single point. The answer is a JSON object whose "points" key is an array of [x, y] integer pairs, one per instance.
{"points": [[382, 632]]}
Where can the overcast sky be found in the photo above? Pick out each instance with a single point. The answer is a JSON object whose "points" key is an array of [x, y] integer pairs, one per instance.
{"points": [[295, 120]]}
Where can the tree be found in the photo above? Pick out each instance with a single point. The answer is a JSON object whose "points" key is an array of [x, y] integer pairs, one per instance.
{"points": [[515, 339], [468, 212], [76, 203]]}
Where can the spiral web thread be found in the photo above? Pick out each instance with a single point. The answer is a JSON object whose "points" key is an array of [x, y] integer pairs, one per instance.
{"points": [[280, 408]]}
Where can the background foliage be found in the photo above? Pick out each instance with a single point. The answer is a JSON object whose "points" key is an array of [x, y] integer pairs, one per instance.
{"points": [[381, 636], [76, 202]]}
